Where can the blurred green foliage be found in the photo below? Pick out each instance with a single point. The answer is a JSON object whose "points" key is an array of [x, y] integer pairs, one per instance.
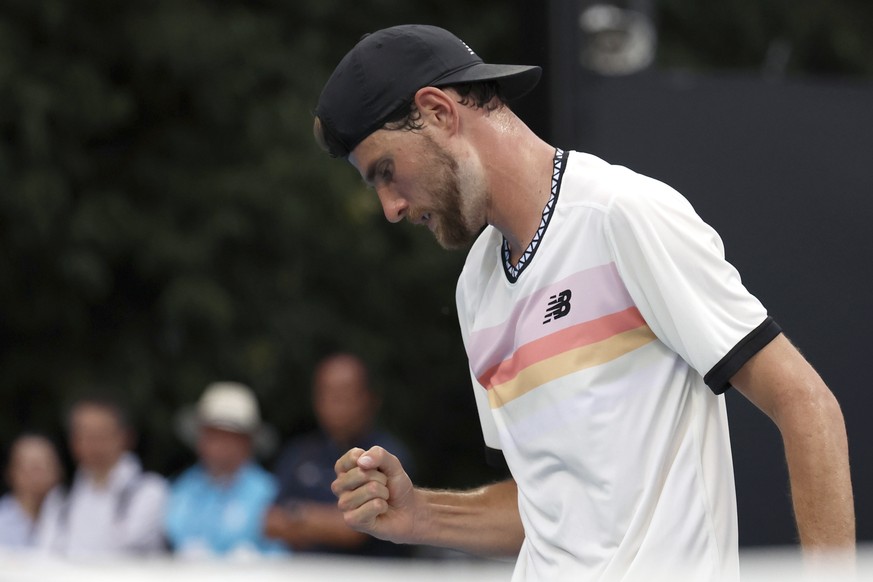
{"points": [[830, 39], [166, 219]]}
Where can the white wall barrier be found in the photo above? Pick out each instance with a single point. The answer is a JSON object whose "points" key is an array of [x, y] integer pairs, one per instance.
{"points": [[756, 565]]}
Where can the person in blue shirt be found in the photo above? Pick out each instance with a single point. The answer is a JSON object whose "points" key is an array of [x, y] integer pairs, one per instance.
{"points": [[305, 514], [217, 506]]}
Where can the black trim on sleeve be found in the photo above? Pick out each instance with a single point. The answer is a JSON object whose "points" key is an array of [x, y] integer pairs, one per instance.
{"points": [[719, 378], [495, 458]]}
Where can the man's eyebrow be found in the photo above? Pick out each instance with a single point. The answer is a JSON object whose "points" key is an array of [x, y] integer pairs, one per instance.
{"points": [[370, 176]]}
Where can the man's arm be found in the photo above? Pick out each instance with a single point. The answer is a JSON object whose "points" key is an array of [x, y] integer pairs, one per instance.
{"points": [[309, 524], [780, 382], [376, 496]]}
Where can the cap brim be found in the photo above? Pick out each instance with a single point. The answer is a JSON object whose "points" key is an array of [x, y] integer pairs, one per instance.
{"points": [[515, 80]]}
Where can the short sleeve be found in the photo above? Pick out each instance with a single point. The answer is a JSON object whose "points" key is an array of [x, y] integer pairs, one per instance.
{"points": [[674, 268]]}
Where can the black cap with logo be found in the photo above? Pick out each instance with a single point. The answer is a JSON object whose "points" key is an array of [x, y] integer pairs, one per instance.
{"points": [[384, 70]]}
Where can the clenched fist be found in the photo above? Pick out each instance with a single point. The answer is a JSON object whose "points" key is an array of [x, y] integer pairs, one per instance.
{"points": [[375, 495]]}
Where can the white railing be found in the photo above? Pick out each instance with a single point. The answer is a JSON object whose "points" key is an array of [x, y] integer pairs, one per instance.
{"points": [[757, 566]]}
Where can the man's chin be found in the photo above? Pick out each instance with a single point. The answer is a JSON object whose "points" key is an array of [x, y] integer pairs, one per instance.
{"points": [[456, 242]]}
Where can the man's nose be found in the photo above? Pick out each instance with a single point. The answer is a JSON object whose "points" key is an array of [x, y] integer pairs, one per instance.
{"points": [[395, 207]]}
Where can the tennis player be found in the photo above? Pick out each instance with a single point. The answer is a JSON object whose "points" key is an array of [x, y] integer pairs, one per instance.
{"points": [[602, 324]]}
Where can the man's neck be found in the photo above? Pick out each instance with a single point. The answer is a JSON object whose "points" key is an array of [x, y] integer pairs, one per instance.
{"points": [[100, 479], [224, 477], [30, 503], [347, 441], [519, 166], [100, 476]]}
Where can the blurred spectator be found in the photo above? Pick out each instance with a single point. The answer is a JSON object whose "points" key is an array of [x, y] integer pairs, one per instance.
{"points": [[305, 514], [217, 506], [113, 507], [34, 475]]}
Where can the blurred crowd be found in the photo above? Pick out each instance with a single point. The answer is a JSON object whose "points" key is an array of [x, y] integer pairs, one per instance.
{"points": [[226, 504]]}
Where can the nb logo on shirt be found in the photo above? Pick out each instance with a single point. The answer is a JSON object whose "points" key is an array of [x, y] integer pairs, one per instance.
{"points": [[559, 306]]}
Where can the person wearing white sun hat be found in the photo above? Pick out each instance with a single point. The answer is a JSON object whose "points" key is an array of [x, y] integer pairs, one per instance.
{"points": [[217, 506]]}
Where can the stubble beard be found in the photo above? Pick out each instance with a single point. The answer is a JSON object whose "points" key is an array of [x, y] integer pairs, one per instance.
{"points": [[457, 224]]}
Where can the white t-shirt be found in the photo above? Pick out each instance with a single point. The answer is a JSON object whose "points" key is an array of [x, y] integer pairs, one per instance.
{"points": [[588, 362], [16, 526], [123, 517]]}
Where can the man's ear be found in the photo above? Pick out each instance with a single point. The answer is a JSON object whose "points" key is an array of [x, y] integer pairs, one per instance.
{"points": [[437, 108]]}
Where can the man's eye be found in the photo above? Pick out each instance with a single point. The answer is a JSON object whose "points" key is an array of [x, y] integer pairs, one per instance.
{"points": [[385, 174]]}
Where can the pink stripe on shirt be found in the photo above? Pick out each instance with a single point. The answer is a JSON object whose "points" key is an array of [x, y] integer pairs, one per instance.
{"points": [[597, 292], [567, 339]]}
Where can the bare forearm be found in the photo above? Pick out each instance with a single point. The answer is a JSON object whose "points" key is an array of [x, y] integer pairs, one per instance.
{"points": [[323, 524], [376, 496], [816, 450], [483, 521], [311, 524], [785, 387]]}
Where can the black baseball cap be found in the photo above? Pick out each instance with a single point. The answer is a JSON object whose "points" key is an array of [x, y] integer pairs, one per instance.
{"points": [[384, 70]]}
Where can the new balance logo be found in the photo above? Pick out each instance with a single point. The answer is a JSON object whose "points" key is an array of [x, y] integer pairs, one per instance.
{"points": [[559, 306]]}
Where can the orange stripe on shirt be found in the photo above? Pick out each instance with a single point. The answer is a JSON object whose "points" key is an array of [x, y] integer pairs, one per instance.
{"points": [[567, 362], [576, 336]]}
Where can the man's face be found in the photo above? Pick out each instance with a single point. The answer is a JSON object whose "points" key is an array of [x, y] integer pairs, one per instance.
{"points": [[34, 467], [97, 438], [343, 403], [418, 179], [223, 452]]}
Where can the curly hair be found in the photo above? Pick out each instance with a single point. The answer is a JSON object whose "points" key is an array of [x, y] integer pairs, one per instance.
{"points": [[480, 95]]}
